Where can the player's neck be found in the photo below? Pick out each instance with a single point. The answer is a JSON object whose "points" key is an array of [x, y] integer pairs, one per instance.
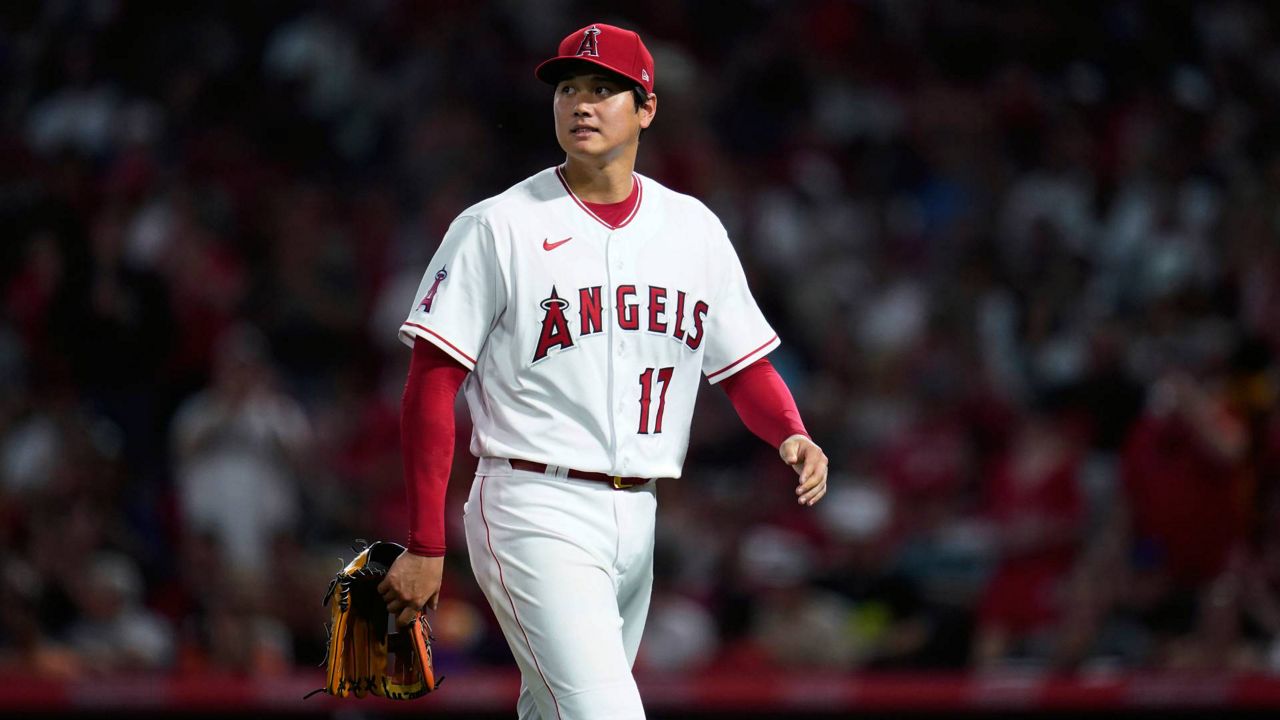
{"points": [[604, 182]]}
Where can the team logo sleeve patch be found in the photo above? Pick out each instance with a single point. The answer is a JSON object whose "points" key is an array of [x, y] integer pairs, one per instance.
{"points": [[460, 294], [425, 305]]}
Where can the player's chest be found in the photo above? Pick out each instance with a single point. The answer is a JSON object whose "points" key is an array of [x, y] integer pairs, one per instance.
{"points": [[566, 288], [572, 258], [570, 263]]}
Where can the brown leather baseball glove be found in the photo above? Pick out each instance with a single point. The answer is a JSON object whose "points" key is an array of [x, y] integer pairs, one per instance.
{"points": [[364, 656]]}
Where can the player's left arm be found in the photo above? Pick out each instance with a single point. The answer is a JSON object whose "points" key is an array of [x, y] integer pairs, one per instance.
{"points": [[766, 406]]}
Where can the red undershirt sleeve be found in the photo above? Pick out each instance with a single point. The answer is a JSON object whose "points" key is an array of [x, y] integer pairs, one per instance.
{"points": [[764, 403], [426, 442]]}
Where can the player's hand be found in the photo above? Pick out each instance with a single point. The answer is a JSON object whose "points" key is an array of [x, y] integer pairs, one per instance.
{"points": [[810, 463], [412, 583]]}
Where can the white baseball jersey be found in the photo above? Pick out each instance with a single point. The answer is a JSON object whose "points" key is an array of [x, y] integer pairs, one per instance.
{"points": [[586, 343]]}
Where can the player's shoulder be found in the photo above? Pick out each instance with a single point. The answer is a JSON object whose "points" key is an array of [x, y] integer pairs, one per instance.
{"points": [[682, 208], [673, 200], [515, 201]]}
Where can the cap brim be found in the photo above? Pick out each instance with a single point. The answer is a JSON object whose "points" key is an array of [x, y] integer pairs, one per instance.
{"points": [[557, 68]]}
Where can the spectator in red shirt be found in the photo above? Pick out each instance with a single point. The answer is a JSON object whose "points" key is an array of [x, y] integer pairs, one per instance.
{"points": [[1186, 484], [1036, 505]]}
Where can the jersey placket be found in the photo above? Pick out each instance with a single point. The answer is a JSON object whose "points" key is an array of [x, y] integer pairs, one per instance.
{"points": [[614, 267]]}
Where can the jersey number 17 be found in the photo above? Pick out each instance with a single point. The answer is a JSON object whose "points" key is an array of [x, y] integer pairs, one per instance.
{"points": [[646, 394]]}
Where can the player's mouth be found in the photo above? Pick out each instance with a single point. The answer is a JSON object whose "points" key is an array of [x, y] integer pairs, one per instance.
{"points": [[582, 131]]}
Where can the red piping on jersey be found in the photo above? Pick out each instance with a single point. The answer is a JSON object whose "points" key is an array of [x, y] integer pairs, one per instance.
{"points": [[587, 210], [744, 357], [489, 539], [440, 337]]}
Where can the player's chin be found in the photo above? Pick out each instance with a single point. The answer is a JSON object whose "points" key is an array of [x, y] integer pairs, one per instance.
{"points": [[590, 142]]}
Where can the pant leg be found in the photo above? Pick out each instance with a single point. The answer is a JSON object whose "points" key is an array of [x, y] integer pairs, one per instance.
{"points": [[636, 519], [543, 551], [526, 705]]}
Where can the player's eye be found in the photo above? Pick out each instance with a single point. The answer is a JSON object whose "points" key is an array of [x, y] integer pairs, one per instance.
{"points": [[604, 90]]}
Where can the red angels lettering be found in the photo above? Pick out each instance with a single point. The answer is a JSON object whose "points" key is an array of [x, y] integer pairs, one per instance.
{"points": [[555, 328], [656, 316], [657, 306], [588, 46], [699, 314], [589, 310], [628, 313], [678, 331]]}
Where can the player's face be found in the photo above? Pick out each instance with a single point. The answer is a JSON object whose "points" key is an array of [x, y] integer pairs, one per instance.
{"points": [[596, 116]]}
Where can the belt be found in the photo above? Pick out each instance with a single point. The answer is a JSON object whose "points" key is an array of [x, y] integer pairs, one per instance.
{"points": [[618, 482]]}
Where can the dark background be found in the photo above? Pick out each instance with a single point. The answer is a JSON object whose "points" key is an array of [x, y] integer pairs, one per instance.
{"points": [[1024, 260]]}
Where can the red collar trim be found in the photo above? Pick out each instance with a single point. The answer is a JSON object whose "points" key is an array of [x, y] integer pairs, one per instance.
{"points": [[635, 210]]}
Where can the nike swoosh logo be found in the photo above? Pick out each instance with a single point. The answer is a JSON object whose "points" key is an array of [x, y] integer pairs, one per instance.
{"points": [[553, 245]]}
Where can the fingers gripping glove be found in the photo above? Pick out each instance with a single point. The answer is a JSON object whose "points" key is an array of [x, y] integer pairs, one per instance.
{"points": [[363, 657]]}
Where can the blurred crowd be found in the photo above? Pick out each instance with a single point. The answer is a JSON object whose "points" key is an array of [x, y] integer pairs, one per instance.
{"points": [[1024, 259]]}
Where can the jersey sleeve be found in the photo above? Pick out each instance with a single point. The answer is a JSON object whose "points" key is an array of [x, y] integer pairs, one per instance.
{"points": [[461, 294], [737, 333]]}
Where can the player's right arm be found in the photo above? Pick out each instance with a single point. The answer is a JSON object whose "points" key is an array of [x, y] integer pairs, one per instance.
{"points": [[426, 441]]}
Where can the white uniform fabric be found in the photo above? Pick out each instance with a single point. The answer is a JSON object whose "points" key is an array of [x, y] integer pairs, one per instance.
{"points": [[512, 294], [567, 566], [586, 345]]}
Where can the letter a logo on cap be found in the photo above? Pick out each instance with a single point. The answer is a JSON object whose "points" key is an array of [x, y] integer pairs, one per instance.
{"points": [[588, 46]]}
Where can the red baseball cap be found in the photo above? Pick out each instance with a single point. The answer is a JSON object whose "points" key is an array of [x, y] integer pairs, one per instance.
{"points": [[612, 48]]}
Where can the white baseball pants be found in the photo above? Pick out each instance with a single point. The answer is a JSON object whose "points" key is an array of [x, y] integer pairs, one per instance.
{"points": [[567, 566]]}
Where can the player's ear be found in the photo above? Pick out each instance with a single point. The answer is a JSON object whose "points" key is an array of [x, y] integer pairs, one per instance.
{"points": [[647, 110]]}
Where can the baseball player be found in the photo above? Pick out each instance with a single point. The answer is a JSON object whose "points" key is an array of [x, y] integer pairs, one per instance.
{"points": [[576, 311]]}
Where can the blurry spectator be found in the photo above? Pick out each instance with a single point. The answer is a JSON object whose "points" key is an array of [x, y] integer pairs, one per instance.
{"points": [[1185, 481], [1036, 505], [1218, 642], [892, 625], [115, 631], [241, 639], [928, 466], [1187, 489], [80, 114], [794, 624], [679, 635], [231, 623], [182, 236], [316, 305], [24, 646], [238, 446], [112, 323]]}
